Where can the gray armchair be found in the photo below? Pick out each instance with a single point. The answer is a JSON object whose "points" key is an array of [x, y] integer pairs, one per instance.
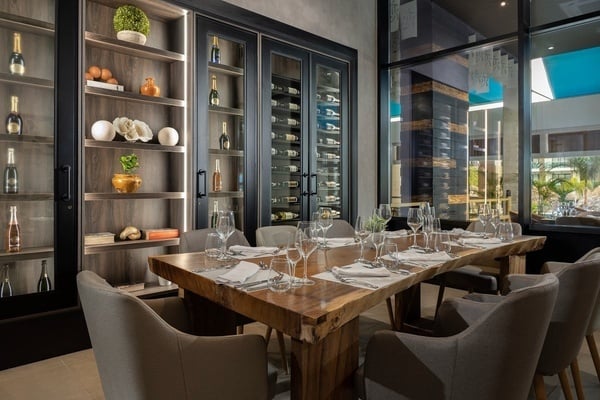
{"points": [[340, 228], [140, 355], [493, 358], [274, 235], [193, 241], [594, 324]]}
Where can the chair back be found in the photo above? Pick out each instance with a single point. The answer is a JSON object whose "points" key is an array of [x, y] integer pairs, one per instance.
{"points": [[274, 235], [340, 229], [194, 241], [578, 292], [594, 325]]}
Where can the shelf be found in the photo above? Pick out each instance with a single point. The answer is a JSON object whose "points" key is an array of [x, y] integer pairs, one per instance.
{"points": [[137, 145], [129, 245], [140, 98], [225, 69], [24, 24], [284, 94], [285, 142], [227, 153], [135, 196], [28, 253], [237, 194], [284, 126], [27, 197], [154, 9], [26, 81], [329, 146], [285, 158], [133, 49], [27, 139], [283, 110], [226, 110]]}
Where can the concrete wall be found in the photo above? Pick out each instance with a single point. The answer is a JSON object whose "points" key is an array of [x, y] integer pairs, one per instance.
{"points": [[352, 23]]}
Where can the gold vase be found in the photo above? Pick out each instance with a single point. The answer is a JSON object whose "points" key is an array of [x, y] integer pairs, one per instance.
{"points": [[126, 183]]}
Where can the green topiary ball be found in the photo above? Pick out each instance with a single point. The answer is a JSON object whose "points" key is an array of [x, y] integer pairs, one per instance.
{"points": [[131, 18]]}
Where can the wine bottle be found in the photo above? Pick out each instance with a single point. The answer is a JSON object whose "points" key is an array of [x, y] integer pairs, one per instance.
{"points": [[274, 217], [215, 52], [290, 153], [330, 113], [293, 106], [331, 127], [332, 99], [274, 151], [289, 199], [329, 141], [11, 178], [290, 184], [276, 87], [13, 232], [215, 215], [217, 182], [44, 284], [293, 90], [16, 63], [224, 142], [213, 97], [286, 215], [332, 198], [5, 286], [14, 122]]}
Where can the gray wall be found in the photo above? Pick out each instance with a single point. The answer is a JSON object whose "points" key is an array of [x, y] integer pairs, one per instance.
{"points": [[352, 23]]}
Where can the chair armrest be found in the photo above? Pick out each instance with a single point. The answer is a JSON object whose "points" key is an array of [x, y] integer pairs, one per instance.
{"points": [[225, 367], [172, 310], [406, 366], [455, 315], [483, 298], [554, 267]]}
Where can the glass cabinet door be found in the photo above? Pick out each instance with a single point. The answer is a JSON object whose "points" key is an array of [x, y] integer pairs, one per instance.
{"points": [[226, 147]]}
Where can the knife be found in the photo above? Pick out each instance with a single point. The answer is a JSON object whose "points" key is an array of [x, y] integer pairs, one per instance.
{"points": [[250, 284]]}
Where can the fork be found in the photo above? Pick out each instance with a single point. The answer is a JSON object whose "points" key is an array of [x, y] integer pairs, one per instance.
{"points": [[346, 279]]}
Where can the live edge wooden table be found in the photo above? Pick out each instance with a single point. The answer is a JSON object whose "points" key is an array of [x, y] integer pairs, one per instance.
{"points": [[321, 319]]}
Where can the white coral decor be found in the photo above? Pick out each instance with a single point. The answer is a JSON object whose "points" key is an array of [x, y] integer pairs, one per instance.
{"points": [[132, 130]]}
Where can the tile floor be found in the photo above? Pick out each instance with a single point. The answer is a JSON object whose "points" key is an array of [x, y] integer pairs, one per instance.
{"points": [[75, 377]]}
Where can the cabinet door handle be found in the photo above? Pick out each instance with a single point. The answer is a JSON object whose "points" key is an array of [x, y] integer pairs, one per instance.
{"points": [[66, 170], [200, 173], [315, 192], [305, 186]]}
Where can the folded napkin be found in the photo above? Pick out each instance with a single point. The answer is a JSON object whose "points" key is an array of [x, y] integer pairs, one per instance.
{"points": [[253, 251], [412, 255], [480, 240], [359, 270], [339, 242], [468, 234], [396, 234], [238, 274]]}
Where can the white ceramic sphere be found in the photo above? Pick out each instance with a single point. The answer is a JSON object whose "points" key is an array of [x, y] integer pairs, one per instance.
{"points": [[103, 130], [168, 136]]}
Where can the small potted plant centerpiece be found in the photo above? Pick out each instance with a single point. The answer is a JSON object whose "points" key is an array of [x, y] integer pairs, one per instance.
{"points": [[127, 182], [131, 24]]}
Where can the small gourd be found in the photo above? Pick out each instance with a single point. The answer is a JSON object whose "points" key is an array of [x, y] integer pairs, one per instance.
{"points": [[149, 88]]}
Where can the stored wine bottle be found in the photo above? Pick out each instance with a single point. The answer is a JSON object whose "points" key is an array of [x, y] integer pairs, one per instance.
{"points": [[330, 184], [329, 141], [286, 215], [215, 215], [213, 97], [293, 106], [11, 177], [13, 232], [217, 181], [330, 113], [293, 90], [286, 136], [16, 63], [14, 122], [224, 142], [289, 199], [332, 198], [44, 284], [5, 286], [289, 153], [332, 99], [215, 52], [276, 87], [290, 184]]}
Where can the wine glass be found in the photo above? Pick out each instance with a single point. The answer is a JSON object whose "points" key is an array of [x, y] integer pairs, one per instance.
{"points": [[378, 238], [427, 230], [325, 222], [385, 212], [495, 219], [485, 214], [293, 255], [362, 233], [390, 250], [414, 220], [225, 228], [306, 243]]}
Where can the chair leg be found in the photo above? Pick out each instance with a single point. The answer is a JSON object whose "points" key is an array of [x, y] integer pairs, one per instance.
{"points": [[440, 298], [390, 310], [577, 379], [594, 352], [564, 383], [282, 351], [539, 387], [268, 334]]}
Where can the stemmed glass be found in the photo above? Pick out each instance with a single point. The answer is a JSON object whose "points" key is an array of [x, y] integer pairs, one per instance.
{"points": [[362, 233], [378, 238], [485, 214], [225, 228], [306, 242], [385, 212], [495, 219], [414, 220], [427, 231], [293, 255], [325, 222]]}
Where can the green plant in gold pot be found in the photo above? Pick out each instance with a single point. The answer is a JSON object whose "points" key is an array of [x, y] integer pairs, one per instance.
{"points": [[131, 24], [127, 182]]}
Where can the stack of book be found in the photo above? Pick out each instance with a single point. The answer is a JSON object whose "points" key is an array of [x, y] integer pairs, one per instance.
{"points": [[99, 238], [160, 233]]}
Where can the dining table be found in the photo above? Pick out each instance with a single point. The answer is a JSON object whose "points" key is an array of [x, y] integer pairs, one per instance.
{"points": [[322, 319]]}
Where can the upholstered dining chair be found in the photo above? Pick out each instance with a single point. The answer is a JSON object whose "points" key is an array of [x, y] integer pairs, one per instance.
{"points": [[143, 353], [594, 324], [483, 351], [195, 240], [340, 229], [274, 235], [471, 278]]}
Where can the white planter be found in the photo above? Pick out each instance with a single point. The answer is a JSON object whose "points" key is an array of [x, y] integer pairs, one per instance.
{"points": [[132, 36]]}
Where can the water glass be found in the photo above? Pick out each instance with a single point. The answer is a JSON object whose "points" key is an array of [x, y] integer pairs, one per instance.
{"points": [[279, 275], [377, 238], [391, 262], [212, 246], [505, 231]]}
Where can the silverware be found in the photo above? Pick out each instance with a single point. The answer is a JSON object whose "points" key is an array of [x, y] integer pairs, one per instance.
{"points": [[346, 279], [250, 284]]}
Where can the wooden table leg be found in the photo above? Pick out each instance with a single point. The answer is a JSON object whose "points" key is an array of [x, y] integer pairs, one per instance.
{"points": [[407, 306], [208, 318], [325, 370], [514, 264]]}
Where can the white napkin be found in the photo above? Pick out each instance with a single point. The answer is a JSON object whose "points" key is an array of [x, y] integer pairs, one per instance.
{"points": [[253, 251], [238, 274], [397, 234], [480, 240], [468, 234], [339, 242], [412, 255], [359, 270]]}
